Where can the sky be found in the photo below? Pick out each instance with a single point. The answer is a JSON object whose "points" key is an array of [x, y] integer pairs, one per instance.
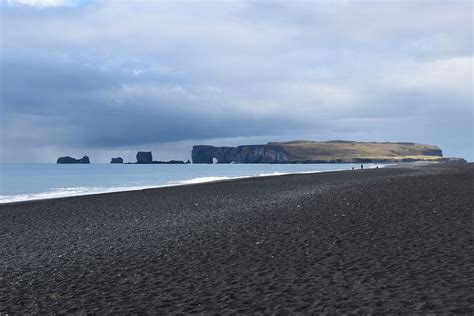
{"points": [[109, 78]]}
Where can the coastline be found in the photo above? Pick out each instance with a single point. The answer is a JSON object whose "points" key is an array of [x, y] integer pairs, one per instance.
{"points": [[82, 191], [379, 240]]}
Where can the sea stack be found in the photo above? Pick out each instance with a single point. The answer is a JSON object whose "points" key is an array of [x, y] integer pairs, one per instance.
{"points": [[117, 160], [144, 157], [67, 160]]}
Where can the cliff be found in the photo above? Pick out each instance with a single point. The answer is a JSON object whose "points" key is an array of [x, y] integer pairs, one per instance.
{"points": [[318, 152], [241, 154]]}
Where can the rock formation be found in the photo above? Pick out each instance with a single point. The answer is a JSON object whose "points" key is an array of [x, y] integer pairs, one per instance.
{"points": [[67, 159], [241, 154], [170, 162], [317, 152], [144, 157], [116, 160], [453, 160]]}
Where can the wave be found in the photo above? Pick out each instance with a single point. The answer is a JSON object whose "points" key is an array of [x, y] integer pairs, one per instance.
{"points": [[204, 180], [213, 179], [66, 192]]}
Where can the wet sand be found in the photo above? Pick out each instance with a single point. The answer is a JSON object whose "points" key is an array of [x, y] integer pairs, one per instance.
{"points": [[381, 240]]}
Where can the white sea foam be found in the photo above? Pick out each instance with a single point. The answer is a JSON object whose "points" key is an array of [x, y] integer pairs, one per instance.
{"points": [[203, 180], [65, 192], [272, 174]]}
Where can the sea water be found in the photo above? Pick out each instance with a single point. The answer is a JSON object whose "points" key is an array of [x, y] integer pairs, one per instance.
{"points": [[21, 182]]}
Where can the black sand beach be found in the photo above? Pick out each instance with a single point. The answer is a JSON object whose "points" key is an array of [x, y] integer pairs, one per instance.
{"points": [[382, 240]]}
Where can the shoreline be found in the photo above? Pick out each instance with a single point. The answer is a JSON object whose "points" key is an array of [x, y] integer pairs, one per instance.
{"points": [[387, 240], [21, 198]]}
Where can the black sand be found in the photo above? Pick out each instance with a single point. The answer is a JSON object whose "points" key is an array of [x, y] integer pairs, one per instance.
{"points": [[385, 240]]}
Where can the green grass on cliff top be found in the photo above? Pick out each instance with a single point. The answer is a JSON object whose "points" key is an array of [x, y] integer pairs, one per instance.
{"points": [[311, 150]]}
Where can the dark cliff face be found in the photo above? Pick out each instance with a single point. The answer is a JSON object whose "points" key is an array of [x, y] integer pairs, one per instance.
{"points": [[205, 154], [67, 159], [262, 154], [144, 157], [241, 154]]}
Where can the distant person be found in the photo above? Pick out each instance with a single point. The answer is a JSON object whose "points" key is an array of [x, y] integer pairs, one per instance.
{"points": [[352, 168], [361, 166]]}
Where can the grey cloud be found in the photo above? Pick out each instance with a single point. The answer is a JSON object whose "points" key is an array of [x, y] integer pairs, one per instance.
{"points": [[109, 108]]}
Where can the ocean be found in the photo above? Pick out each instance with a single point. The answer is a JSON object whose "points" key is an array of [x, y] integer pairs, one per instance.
{"points": [[22, 182]]}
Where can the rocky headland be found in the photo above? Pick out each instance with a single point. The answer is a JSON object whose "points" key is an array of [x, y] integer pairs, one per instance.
{"points": [[321, 152]]}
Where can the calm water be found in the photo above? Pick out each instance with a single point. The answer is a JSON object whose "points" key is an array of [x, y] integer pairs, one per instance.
{"points": [[20, 182]]}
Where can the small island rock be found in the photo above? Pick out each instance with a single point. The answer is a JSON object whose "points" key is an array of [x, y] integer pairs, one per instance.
{"points": [[144, 157], [117, 160], [67, 159]]}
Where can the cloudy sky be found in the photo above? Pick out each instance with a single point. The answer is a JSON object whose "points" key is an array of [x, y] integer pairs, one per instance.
{"points": [[108, 78]]}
